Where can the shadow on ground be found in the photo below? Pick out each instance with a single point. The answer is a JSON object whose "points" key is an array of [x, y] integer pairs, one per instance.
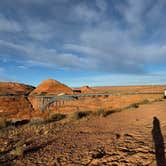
{"points": [[158, 143]]}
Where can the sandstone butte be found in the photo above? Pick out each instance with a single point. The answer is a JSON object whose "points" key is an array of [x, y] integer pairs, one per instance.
{"points": [[48, 87], [86, 89], [51, 87]]}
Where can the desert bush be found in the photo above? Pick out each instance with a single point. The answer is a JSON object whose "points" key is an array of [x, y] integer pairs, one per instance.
{"points": [[19, 122], [55, 117], [106, 96], [36, 121], [134, 105], [80, 114], [99, 112], [157, 100], [109, 112], [18, 151], [4, 123], [146, 101]]}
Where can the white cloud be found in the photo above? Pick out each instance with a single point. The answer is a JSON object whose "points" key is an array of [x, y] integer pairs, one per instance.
{"points": [[115, 37], [9, 25], [39, 30], [35, 55], [126, 47]]}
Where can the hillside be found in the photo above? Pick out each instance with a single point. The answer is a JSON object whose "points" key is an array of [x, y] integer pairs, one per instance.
{"points": [[51, 86], [8, 88]]}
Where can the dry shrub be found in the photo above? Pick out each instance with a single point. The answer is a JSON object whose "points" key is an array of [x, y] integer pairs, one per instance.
{"points": [[4, 123], [55, 117], [99, 112], [36, 121], [146, 101], [18, 151], [104, 113], [80, 114], [109, 112]]}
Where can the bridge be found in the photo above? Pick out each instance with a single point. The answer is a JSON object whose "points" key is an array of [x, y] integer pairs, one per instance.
{"points": [[44, 102]]}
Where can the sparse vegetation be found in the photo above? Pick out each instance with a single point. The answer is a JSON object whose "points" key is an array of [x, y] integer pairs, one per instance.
{"points": [[106, 96], [80, 114], [36, 121], [51, 118], [146, 101], [55, 117], [18, 151], [4, 123], [136, 105], [109, 112], [104, 113], [99, 112]]}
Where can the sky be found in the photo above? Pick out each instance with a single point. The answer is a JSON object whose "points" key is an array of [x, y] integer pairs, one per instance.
{"points": [[83, 42]]}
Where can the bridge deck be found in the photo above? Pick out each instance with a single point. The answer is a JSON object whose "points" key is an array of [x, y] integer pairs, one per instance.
{"points": [[94, 94]]}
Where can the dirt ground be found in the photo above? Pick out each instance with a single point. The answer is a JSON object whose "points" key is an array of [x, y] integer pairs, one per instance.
{"points": [[104, 103], [134, 137]]}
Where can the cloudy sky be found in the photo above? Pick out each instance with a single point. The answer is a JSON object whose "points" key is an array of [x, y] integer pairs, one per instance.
{"points": [[94, 42]]}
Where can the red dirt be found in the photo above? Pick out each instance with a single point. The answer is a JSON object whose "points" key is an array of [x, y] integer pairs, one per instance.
{"points": [[121, 139], [105, 103], [12, 107]]}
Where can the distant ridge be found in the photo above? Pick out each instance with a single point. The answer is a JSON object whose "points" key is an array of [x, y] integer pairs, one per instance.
{"points": [[13, 88]]}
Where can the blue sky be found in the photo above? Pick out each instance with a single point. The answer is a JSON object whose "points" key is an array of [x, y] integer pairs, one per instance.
{"points": [[78, 42]]}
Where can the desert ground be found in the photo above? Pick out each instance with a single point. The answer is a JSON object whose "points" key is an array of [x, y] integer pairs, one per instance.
{"points": [[124, 126]]}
